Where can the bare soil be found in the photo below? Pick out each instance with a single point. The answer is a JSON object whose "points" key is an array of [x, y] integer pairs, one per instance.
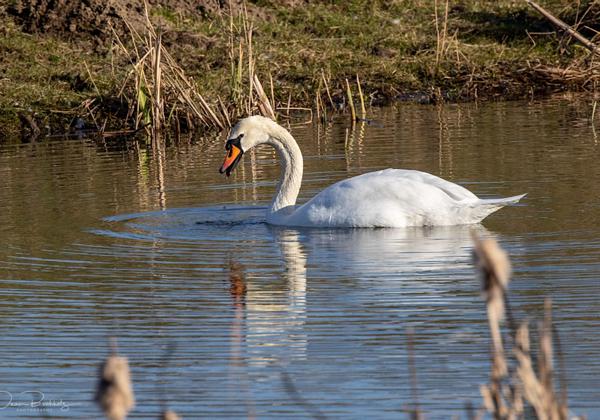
{"points": [[94, 20]]}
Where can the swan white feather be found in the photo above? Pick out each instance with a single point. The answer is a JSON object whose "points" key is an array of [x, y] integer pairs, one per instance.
{"points": [[387, 198]]}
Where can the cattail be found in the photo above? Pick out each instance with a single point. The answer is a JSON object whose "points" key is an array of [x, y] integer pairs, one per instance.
{"points": [[493, 265], [170, 415], [114, 394], [494, 269], [532, 388], [506, 401], [538, 388]]}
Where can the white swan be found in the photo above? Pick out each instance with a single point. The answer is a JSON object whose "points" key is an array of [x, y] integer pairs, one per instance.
{"points": [[388, 198]]}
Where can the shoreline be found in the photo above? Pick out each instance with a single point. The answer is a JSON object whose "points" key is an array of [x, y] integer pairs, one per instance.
{"points": [[304, 56]]}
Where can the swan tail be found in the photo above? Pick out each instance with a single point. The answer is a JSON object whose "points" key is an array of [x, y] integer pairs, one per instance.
{"points": [[485, 207]]}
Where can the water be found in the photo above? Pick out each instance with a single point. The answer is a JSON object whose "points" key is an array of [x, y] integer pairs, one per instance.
{"points": [[107, 239]]}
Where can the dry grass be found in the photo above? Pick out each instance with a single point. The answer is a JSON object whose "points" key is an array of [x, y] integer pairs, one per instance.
{"points": [[157, 88], [161, 95]]}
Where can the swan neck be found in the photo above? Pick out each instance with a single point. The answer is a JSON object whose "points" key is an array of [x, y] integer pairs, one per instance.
{"points": [[291, 163]]}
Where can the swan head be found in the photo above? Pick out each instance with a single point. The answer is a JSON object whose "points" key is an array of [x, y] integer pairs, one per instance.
{"points": [[246, 134]]}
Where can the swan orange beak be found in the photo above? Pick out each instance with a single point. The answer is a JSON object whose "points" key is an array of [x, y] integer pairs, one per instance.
{"points": [[232, 158]]}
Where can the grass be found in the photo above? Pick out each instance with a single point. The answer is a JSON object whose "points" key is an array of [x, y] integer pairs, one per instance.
{"points": [[44, 75], [438, 49]]}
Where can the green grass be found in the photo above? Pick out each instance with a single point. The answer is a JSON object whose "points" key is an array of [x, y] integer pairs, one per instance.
{"points": [[392, 45], [46, 76]]}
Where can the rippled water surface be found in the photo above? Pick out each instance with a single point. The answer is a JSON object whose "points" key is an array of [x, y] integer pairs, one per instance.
{"points": [[222, 315]]}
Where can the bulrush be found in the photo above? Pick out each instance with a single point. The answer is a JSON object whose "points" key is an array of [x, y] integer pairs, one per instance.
{"points": [[494, 269], [114, 394], [170, 415], [504, 396]]}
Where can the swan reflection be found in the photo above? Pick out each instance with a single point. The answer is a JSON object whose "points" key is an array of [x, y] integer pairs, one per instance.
{"points": [[275, 316], [354, 269], [276, 311]]}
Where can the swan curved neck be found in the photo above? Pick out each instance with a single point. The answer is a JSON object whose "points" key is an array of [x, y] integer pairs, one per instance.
{"points": [[291, 169]]}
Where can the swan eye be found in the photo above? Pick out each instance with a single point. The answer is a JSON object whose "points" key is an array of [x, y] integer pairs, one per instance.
{"points": [[234, 142]]}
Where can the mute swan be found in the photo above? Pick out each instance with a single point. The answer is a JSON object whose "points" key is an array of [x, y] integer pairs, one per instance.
{"points": [[387, 198]]}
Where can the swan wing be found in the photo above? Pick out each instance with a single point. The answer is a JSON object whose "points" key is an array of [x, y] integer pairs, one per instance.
{"points": [[388, 198], [453, 190]]}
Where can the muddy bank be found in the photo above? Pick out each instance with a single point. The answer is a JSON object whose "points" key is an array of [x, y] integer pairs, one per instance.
{"points": [[64, 61]]}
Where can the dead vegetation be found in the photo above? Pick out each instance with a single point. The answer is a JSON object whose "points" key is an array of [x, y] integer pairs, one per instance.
{"points": [[514, 385], [220, 60], [161, 95], [523, 381], [114, 393]]}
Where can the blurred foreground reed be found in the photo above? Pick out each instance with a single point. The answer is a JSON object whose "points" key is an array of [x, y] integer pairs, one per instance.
{"points": [[517, 385]]}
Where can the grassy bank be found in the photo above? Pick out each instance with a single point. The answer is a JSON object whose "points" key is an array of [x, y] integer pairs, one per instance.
{"points": [[413, 49]]}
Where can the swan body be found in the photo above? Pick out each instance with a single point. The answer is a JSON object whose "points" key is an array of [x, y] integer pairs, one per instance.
{"points": [[387, 198]]}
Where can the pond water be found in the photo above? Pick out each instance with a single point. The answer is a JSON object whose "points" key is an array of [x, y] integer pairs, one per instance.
{"points": [[222, 315]]}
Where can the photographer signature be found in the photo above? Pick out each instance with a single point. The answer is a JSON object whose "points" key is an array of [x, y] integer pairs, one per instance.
{"points": [[32, 400]]}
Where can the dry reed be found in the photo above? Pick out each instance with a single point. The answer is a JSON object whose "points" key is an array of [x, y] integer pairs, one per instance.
{"points": [[507, 393], [161, 94], [363, 111], [441, 33], [247, 93], [350, 102], [114, 393], [170, 415], [160, 86]]}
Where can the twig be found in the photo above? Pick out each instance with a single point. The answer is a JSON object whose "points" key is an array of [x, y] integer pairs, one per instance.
{"points": [[572, 32]]}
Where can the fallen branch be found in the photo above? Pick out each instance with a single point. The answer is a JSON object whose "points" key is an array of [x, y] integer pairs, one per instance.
{"points": [[572, 32]]}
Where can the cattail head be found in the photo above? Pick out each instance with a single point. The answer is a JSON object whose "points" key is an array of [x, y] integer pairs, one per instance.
{"points": [[114, 393], [493, 266], [170, 415], [494, 270]]}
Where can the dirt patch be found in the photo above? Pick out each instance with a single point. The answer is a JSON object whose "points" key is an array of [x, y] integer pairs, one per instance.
{"points": [[93, 19], [69, 19]]}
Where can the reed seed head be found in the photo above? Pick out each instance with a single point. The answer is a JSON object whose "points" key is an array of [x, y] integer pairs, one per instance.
{"points": [[170, 415], [114, 394], [494, 269]]}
